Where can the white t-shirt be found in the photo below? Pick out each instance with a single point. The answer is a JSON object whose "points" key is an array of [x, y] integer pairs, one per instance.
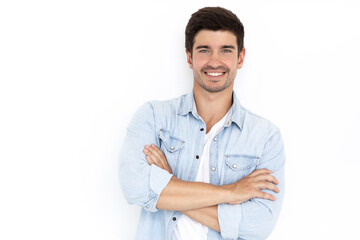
{"points": [[186, 228]]}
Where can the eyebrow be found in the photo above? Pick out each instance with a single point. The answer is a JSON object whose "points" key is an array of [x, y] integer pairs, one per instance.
{"points": [[207, 47], [228, 46], [202, 46]]}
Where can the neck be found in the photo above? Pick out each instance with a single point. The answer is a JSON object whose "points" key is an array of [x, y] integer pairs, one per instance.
{"points": [[212, 107]]}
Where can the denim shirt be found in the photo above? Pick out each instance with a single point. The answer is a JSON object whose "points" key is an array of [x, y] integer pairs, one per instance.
{"points": [[246, 142]]}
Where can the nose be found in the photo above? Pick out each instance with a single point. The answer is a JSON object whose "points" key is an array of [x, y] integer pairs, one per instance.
{"points": [[214, 60]]}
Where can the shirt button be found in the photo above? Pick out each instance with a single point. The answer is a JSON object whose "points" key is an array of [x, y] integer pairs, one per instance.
{"points": [[174, 219], [172, 147], [201, 129], [234, 166], [215, 138], [213, 168], [197, 157]]}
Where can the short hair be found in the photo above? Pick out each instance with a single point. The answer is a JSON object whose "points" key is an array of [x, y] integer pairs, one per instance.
{"points": [[213, 18]]}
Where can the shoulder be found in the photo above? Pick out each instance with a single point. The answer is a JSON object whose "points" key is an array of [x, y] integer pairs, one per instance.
{"points": [[155, 109], [162, 106], [257, 124]]}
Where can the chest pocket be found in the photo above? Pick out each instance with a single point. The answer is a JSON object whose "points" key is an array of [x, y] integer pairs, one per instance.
{"points": [[170, 146], [239, 166]]}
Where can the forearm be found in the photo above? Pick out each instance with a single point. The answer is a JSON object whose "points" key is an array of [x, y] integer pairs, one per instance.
{"points": [[180, 195], [207, 216]]}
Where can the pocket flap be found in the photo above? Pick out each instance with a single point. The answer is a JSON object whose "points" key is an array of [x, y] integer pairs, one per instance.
{"points": [[171, 143], [239, 162]]}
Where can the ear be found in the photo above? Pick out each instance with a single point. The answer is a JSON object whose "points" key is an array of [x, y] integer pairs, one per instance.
{"points": [[241, 58], [189, 58]]}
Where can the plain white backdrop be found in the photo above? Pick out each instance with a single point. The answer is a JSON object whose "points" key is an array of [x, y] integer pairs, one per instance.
{"points": [[73, 73]]}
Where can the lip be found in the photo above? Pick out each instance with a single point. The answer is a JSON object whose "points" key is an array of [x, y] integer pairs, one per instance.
{"points": [[214, 72]]}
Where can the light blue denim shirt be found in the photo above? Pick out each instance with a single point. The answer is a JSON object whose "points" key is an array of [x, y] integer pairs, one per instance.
{"points": [[245, 143]]}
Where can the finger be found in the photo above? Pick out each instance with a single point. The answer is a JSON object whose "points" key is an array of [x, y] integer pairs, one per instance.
{"points": [[265, 195], [269, 186], [160, 157], [158, 150], [260, 171], [147, 152], [149, 160], [266, 177], [146, 149], [149, 155], [158, 154], [156, 159]]}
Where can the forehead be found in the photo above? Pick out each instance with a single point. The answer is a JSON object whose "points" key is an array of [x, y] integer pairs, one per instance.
{"points": [[214, 38]]}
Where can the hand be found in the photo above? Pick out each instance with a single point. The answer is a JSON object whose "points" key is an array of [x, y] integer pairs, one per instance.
{"points": [[155, 156], [249, 187], [241, 191]]}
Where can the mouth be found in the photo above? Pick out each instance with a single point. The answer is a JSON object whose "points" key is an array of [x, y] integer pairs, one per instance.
{"points": [[215, 74]]}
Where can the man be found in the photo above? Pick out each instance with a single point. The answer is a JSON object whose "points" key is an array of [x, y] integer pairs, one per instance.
{"points": [[202, 166]]}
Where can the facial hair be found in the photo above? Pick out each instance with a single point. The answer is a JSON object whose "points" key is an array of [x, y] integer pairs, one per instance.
{"points": [[198, 78]]}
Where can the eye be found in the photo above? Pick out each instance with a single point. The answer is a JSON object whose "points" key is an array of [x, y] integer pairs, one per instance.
{"points": [[227, 51], [203, 51]]}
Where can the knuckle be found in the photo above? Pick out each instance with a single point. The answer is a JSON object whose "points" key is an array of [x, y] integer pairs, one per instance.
{"points": [[253, 193], [268, 196], [271, 186]]}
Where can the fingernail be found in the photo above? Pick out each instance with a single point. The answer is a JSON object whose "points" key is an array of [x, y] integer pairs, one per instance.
{"points": [[145, 150]]}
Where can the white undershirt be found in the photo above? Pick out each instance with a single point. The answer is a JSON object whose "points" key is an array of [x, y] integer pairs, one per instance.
{"points": [[186, 228]]}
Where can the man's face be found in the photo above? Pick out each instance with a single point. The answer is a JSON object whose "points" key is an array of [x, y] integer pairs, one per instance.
{"points": [[215, 60]]}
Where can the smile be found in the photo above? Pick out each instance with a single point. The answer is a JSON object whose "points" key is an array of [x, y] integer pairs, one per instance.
{"points": [[214, 74]]}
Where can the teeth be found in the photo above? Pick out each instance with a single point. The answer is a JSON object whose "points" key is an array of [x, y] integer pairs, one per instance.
{"points": [[214, 74]]}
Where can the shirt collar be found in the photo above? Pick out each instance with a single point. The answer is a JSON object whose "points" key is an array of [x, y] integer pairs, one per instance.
{"points": [[236, 112]]}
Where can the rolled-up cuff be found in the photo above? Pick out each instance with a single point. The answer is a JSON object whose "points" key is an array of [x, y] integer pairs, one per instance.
{"points": [[159, 178], [229, 217]]}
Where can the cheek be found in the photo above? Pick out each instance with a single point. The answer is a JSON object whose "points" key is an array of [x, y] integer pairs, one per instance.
{"points": [[232, 64], [197, 66], [199, 62]]}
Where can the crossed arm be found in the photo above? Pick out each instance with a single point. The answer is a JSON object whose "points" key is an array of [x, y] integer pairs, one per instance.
{"points": [[188, 197], [252, 215]]}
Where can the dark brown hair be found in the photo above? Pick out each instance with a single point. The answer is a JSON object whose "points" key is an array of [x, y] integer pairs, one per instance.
{"points": [[213, 18]]}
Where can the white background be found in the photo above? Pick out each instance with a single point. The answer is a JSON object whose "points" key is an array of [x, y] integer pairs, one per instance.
{"points": [[74, 72]]}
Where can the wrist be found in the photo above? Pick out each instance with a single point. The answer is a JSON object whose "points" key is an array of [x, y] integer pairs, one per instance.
{"points": [[226, 193]]}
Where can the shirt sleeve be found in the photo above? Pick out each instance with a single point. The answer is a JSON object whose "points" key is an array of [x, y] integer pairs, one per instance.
{"points": [[141, 183], [256, 218]]}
